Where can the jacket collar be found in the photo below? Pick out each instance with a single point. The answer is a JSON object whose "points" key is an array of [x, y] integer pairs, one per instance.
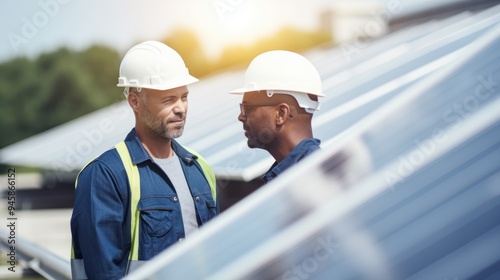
{"points": [[138, 153], [292, 158]]}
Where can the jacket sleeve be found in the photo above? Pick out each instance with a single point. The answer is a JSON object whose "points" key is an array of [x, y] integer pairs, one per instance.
{"points": [[100, 223]]}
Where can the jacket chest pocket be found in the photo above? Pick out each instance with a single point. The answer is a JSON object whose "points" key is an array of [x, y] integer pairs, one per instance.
{"points": [[156, 214], [206, 207]]}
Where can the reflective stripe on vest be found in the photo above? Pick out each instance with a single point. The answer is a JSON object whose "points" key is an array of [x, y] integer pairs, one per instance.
{"points": [[134, 181], [77, 265], [207, 171]]}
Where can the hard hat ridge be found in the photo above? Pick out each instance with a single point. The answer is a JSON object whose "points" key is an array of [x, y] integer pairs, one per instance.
{"points": [[285, 72], [153, 65], [281, 70]]}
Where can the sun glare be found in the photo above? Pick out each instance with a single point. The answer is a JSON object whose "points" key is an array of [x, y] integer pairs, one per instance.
{"points": [[232, 22]]}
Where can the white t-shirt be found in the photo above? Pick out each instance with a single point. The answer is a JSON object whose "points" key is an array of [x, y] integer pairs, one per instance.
{"points": [[172, 167]]}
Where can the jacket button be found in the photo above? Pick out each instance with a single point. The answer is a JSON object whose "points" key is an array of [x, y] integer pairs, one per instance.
{"points": [[197, 198], [181, 239], [175, 198]]}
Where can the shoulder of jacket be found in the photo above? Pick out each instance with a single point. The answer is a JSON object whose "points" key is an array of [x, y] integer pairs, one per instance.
{"points": [[109, 160]]}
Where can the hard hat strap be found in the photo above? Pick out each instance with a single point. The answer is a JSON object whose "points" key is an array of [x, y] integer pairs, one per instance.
{"points": [[126, 90]]}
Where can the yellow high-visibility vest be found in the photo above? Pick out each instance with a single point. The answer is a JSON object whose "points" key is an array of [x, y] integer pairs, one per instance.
{"points": [[77, 265]]}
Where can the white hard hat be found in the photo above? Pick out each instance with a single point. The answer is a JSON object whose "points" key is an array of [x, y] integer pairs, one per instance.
{"points": [[153, 65], [284, 72]]}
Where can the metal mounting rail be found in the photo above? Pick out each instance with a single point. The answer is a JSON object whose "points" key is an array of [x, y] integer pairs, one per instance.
{"points": [[38, 259]]}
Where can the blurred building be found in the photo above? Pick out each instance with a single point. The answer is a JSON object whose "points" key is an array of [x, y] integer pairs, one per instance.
{"points": [[356, 20]]}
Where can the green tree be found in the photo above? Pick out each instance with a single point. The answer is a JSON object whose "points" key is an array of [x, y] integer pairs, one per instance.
{"points": [[16, 77], [37, 95]]}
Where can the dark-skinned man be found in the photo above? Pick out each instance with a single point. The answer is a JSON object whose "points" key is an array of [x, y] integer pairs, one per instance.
{"points": [[280, 95]]}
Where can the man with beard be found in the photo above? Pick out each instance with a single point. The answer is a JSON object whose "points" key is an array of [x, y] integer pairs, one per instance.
{"points": [[148, 192], [280, 95]]}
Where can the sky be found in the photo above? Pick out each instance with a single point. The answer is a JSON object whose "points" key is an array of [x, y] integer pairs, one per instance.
{"points": [[29, 28]]}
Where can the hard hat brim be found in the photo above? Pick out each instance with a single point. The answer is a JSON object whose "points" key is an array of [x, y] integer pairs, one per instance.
{"points": [[241, 91], [179, 83], [187, 80]]}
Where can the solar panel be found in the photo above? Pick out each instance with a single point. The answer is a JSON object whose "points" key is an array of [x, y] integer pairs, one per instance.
{"points": [[427, 227], [321, 220]]}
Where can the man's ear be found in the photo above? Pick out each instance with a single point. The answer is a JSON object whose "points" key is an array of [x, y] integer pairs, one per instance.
{"points": [[134, 101], [283, 113]]}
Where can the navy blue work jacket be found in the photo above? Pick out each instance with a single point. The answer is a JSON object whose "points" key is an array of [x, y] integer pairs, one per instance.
{"points": [[100, 223]]}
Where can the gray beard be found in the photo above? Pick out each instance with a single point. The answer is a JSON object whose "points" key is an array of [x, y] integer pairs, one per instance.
{"points": [[159, 128]]}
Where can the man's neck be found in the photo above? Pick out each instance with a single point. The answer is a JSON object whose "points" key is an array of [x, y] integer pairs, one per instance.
{"points": [[283, 148], [287, 142], [157, 146]]}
